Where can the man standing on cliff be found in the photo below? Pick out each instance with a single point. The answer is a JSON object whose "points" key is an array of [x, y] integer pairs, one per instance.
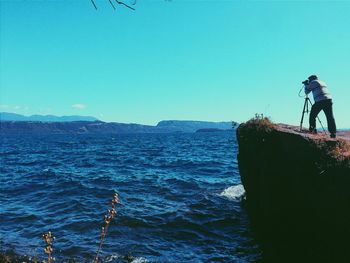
{"points": [[323, 101]]}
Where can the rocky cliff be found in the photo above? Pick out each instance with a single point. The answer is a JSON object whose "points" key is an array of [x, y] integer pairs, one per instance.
{"points": [[298, 191]]}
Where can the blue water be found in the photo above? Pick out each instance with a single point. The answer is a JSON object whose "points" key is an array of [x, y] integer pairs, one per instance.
{"points": [[180, 197]]}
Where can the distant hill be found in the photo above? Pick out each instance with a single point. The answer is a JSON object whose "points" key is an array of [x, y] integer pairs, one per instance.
{"points": [[193, 126], [73, 127], [99, 127], [6, 116]]}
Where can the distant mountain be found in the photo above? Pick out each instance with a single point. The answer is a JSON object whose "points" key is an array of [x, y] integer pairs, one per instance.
{"points": [[78, 127], [73, 127], [99, 127], [193, 126], [6, 116]]}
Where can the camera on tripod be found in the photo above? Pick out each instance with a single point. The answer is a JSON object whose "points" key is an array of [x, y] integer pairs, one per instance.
{"points": [[306, 82]]}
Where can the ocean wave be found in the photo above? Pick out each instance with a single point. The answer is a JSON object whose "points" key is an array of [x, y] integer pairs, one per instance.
{"points": [[127, 258], [170, 208], [236, 192]]}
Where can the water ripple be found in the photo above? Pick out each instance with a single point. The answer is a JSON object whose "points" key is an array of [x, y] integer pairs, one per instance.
{"points": [[179, 197]]}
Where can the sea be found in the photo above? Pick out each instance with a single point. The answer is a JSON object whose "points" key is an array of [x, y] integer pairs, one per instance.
{"points": [[181, 197]]}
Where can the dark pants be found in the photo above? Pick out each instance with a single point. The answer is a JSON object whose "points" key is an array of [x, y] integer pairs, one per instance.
{"points": [[327, 107]]}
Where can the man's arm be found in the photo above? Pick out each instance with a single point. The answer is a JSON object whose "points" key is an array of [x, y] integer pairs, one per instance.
{"points": [[313, 85]]}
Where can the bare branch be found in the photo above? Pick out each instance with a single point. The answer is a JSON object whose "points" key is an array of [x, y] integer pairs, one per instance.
{"points": [[92, 1], [118, 2], [110, 1], [121, 3]]}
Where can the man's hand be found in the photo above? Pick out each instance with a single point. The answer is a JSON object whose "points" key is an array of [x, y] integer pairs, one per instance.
{"points": [[306, 82]]}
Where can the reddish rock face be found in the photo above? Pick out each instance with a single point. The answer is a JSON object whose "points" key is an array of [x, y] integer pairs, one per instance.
{"points": [[298, 192]]}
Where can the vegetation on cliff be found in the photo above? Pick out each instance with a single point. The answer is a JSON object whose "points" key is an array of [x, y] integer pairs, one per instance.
{"points": [[259, 124]]}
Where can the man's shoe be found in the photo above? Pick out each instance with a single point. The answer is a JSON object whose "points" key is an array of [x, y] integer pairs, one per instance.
{"points": [[313, 131], [333, 135]]}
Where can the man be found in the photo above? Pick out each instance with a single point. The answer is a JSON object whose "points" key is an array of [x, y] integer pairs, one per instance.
{"points": [[323, 101]]}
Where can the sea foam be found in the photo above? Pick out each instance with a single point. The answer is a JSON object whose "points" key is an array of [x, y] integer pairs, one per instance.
{"points": [[236, 192]]}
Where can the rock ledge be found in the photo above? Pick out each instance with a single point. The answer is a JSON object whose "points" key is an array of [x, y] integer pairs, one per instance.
{"points": [[298, 191]]}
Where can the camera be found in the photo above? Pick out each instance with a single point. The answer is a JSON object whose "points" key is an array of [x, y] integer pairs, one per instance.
{"points": [[305, 82]]}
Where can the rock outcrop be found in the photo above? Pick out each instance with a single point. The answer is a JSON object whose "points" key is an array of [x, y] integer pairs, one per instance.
{"points": [[298, 191]]}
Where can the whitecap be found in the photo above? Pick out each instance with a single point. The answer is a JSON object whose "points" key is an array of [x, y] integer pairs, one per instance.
{"points": [[128, 258], [112, 257], [139, 260], [236, 192]]}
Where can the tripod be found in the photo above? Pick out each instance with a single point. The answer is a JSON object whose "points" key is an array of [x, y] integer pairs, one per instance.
{"points": [[306, 110]]}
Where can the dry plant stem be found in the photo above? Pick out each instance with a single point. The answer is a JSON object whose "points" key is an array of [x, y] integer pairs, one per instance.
{"points": [[107, 220], [48, 250]]}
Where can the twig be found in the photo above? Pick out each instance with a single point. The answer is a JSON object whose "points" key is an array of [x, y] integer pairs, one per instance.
{"points": [[118, 2], [121, 3], [110, 1], [93, 2]]}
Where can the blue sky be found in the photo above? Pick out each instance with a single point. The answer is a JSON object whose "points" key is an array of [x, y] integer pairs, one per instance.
{"points": [[184, 60]]}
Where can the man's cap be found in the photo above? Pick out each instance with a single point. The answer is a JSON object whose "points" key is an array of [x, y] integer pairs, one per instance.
{"points": [[312, 77]]}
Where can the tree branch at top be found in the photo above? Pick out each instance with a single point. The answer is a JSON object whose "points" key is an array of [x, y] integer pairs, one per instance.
{"points": [[118, 2]]}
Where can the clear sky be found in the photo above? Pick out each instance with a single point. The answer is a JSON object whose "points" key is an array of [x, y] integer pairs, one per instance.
{"points": [[184, 59]]}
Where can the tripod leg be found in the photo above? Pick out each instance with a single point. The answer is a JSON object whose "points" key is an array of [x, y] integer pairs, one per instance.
{"points": [[303, 113], [321, 125]]}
